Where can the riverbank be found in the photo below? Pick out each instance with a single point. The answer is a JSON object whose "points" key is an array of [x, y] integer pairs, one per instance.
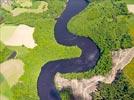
{"points": [[84, 87]]}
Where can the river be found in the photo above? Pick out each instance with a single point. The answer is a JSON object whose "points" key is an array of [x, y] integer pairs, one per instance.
{"points": [[87, 60]]}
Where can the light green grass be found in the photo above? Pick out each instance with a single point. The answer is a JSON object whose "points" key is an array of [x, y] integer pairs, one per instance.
{"points": [[129, 1], [131, 27], [6, 31], [4, 88], [26, 7], [26, 3], [129, 72], [42, 7]]}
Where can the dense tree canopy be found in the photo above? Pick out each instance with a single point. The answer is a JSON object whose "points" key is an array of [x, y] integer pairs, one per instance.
{"points": [[120, 89]]}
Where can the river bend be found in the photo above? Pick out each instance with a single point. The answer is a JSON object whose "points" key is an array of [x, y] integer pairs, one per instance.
{"points": [[87, 60]]}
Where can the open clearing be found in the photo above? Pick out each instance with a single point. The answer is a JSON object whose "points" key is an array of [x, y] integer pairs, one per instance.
{"points": [[18, 36], [12, 70], [6, 31]]}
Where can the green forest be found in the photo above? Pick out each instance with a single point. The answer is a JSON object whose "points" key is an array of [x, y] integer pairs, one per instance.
{"points": [[120, 89]]}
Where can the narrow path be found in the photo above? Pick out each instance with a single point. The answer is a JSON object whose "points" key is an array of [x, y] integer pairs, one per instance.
{"points": [[87, 60]]}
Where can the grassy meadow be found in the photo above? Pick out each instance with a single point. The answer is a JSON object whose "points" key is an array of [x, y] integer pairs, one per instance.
{"points": [[129, 72], [18, 7], [6, 31], [131, 27], [129, 1], [46, 50]]}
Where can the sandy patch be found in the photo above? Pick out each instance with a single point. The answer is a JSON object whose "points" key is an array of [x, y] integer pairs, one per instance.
{"points": [[23, 35], [131, 8], [12, 70], [2, 97], [6, 31]]}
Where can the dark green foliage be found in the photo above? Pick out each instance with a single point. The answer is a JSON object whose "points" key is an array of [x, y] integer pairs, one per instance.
{"points": [[119, 90], [4, 52], [65, 94], [126, 41]]}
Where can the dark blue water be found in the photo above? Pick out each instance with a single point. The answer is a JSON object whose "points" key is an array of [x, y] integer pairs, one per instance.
{"points": [[87, 60]]}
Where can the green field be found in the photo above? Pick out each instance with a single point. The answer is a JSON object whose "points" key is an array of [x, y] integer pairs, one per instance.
{"points": [[6, 32], [4, 88], [47, 50], [131, 27], [18, 7], [129, 1], [129, 72]]}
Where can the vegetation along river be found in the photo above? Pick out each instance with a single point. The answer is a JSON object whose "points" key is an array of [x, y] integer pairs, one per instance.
{"points": [[87, 60]]}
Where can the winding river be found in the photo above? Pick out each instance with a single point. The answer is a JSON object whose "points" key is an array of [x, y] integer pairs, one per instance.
{"points": [[87, 60]]}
